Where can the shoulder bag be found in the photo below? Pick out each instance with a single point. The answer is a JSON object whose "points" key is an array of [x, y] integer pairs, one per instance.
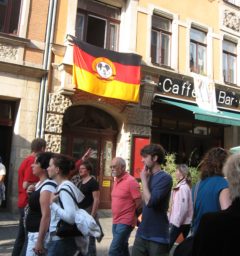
{"points": [[63, 228]]}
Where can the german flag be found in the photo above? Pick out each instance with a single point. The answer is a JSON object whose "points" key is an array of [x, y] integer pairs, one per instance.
{"points": [[106, 73]]}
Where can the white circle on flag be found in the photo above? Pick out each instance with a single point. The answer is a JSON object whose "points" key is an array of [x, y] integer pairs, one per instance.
{"points": [[104, 69]]}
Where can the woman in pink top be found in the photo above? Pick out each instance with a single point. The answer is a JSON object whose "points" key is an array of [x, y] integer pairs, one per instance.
{"points": [[181, 210]]}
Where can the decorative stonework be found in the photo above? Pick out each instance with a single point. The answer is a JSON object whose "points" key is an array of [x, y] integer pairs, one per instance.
{"points": [[53, 142], [139, 116], [56, 108], [54, 123], [231, 20], [8, 52], [58, 103]]}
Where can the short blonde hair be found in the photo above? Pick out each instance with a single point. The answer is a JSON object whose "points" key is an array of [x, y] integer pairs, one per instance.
{"points": [[231, 170]]}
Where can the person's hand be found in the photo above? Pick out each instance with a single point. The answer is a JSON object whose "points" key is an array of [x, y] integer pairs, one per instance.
{"points": [[54, 198], [39, 249], [145, 173], [30, 189], [87, 154]]}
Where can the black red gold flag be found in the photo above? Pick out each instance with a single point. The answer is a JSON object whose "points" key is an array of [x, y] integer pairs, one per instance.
{"points": [[106, 73]]}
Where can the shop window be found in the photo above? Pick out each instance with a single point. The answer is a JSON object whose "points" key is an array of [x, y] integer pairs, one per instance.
{"points": [[229, 62], [161, 40], [9, 16], [94, 18], [234, 2], [198, 51]]}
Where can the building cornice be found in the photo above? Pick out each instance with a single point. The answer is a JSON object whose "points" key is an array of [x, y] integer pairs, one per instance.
{"points": [[22, 70]]}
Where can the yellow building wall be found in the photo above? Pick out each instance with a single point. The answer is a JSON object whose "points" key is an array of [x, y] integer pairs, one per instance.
{"points": [[61, 21], [217, 56], [182, 42], [141, 35], [202, 12], [38, 15]]}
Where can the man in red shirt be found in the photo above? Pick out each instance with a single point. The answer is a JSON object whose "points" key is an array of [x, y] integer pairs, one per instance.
{"points": [[26, 178], [126, 200]]}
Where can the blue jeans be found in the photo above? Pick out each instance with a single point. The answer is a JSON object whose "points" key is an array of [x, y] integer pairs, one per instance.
{"points": [[62, 247], [119, 245]]}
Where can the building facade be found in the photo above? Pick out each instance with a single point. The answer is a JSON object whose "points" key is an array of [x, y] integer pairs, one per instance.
{"points": [[23, 75], [191, 68], [181, 47], [189, 94]]}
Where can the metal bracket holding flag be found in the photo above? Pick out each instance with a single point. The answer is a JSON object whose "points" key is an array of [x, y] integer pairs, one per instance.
{"points": [[104, 72]]}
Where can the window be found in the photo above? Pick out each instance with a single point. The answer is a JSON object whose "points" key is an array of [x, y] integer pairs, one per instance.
{"points": [[235, 2], [229, 62], [9, 16], [161, 40], [198, 51], [98, 24]]}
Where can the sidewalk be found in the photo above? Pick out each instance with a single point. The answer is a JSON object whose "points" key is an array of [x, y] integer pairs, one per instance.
{"points": [[9, 228]]}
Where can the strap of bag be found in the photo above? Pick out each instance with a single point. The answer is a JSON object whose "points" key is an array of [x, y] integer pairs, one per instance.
{"points": [[71, 194], [48, 183]]}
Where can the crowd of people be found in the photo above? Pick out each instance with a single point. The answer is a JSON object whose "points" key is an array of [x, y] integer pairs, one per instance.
{"points": [[52, 187]]}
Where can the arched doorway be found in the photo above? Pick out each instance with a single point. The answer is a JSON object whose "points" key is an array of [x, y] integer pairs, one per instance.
{"points": [[87, 126]]}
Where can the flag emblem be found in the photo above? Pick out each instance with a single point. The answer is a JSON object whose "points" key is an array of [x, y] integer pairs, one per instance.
{"points": [[104, 68]]}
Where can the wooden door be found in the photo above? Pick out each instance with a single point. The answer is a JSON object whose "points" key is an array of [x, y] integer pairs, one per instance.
{"points": [[87, 126], [103, 150]]}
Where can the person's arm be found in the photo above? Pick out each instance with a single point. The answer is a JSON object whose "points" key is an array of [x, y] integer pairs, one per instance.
{"points": [[138, 203], [68, 212], [96, 196], [144, 178], [45, 220], [224, 198], [83, 158], [29, 178], [1, 178]]}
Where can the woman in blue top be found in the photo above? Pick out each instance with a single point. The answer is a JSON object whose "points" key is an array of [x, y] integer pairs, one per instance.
{"points": [[212, 193]]}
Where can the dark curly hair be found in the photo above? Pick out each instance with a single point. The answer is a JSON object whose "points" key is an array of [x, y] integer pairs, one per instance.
{"points": [[154, 150], [212, 162]]}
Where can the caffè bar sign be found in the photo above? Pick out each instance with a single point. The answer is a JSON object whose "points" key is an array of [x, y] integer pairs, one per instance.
{"points": [[185, 88]]}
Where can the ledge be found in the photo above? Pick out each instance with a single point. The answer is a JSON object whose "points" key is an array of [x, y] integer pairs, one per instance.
{"points": [[22, 70], [13, 40]]}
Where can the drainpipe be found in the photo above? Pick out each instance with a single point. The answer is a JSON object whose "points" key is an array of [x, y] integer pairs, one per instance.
{"points": [[46, 65]]}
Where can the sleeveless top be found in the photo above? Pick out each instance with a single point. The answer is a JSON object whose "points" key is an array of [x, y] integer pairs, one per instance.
{"points": [[207, 199], [34, 213]]}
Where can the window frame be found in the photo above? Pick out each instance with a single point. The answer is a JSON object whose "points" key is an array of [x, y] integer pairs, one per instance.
{"points": [[229, 54], [109, 21], [195, 68], [160, 32]]}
